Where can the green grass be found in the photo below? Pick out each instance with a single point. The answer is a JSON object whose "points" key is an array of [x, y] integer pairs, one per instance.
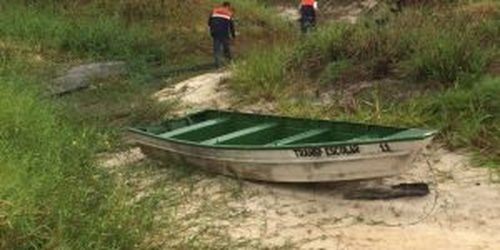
{"points": [[470, 117], [158, 30], [52, 194], [418, 44], [92, 37], [270, 81], [466, 116], [334, 71], [443, 52]]}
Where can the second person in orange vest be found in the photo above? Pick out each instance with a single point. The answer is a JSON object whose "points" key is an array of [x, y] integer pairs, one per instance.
{"points": [[308, 10], [222, 30]]}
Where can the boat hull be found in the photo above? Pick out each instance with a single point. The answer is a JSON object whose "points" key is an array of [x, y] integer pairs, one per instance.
{"points": [[301, 164]]}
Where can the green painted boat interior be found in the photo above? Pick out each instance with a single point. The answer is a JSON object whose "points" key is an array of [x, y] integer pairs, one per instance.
{"points": [[223, 128]]}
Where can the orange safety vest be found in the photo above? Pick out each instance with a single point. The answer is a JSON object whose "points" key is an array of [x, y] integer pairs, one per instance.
{"points": [[222, 12], [307, 3]]}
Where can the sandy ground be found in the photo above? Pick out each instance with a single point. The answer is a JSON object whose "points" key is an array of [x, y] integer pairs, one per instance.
{"points": [[203, 91], [349, 12], [128, 157], [462, 211]]}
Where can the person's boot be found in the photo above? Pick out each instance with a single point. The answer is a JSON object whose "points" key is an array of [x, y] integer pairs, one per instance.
{"points": [[216, 62]]}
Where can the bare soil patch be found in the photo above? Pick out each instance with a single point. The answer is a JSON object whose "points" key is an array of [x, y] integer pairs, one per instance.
{"points": [[203, 91], [128, 157]]}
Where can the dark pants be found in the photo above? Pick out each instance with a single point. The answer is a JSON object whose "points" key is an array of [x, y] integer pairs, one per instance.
{"points": [[307, 18], [307, 23], [221, 46]]}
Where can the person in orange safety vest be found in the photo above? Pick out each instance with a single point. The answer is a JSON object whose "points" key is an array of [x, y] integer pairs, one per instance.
{"points": [[222, 30], [308, 10]]}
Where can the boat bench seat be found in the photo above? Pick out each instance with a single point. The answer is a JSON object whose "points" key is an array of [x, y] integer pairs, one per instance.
{"points": [[361, 138], [298, 137], [193, 127], [239, 133]]}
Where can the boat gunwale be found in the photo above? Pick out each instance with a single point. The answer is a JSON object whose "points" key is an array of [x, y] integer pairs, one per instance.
{"points": [[426, 133], [277, 162]]}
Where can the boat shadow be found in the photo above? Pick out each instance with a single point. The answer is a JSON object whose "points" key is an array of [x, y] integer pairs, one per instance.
{"points": [[369, 189], [314, 191]]}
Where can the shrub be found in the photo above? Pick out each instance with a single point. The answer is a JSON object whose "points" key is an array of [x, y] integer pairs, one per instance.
{"points": [[323, 46], [261, 76], [470, 116], [334, 71]]}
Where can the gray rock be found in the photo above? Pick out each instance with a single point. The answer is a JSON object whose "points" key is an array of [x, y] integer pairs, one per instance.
{"points": [[79, 77]]}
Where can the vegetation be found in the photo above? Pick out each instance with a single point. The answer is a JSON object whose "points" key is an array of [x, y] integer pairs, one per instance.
{"points": [[55, 194], [447, 51], [96, 37], [271, 79], [52, 195], [53, 191], [416, 44], [158, 30], [466, 116], [470, 117]]}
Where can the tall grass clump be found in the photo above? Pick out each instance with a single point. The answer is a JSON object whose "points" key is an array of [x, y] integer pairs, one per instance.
{"points": [[99, 36], [448, 50], [182, 25], [52, 195], [255, 13], [134, 29], [174, 12], [322, 47], [420, 44], [469, 117], [261, 75]]}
